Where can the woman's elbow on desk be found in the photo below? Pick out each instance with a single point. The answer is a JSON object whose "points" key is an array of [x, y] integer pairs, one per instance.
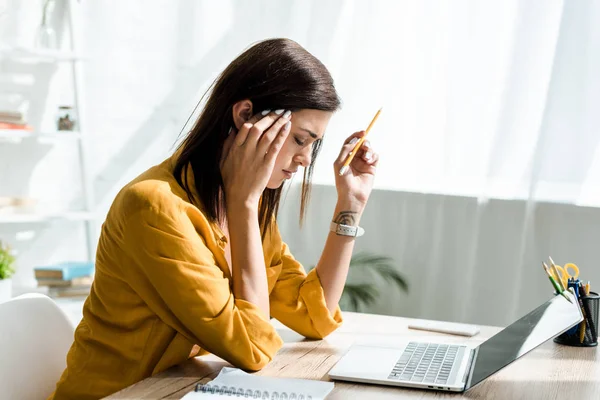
{"points": [[315, 335], [255, 361], [319, 326], [254, 366]]}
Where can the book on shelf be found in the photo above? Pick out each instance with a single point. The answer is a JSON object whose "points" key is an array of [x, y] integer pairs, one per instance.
{"points": [[15, 127], [61, 283], [16, 203], [8, 115], [12, 117], [64, 271], [76, 291], [13, 110]]}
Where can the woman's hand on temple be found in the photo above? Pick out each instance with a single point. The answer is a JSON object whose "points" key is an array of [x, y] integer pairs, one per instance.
{"points": [[250, 154]]}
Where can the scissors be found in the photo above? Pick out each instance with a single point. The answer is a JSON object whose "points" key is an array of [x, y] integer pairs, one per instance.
{"points": [[565, 275]]}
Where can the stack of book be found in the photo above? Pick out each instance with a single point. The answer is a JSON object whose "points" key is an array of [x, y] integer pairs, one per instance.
{"points": [[12, 113], [72, 279]]}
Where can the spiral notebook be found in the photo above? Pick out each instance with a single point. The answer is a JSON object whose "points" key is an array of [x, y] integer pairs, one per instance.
{"points": [[232, 383]]}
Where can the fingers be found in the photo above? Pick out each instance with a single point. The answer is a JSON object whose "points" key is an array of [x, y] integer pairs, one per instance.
{"points": [[227, 147], [252, 130], [357, 135], [361, 166], [370, 158], [366, 151], [374, 160], [348, 146], [257, 117], [277, 143], [364, 161], [242, 135], [273, 132], [265, 123]]}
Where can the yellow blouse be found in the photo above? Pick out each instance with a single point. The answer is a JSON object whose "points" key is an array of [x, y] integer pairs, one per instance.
{"points": [[162, 293]]}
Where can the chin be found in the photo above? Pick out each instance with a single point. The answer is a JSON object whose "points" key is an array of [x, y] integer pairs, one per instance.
{"points": [[275, 185]]}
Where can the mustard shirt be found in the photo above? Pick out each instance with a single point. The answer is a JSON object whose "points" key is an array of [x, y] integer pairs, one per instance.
{"points": [[162, 293]]}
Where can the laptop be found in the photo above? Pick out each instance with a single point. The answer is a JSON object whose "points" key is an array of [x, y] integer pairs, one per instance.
{"points": [[456, 367]]}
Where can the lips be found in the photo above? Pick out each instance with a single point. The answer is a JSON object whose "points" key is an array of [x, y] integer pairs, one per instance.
{"points": [[288, 174]]}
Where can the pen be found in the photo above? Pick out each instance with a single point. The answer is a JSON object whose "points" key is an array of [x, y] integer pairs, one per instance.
{"points": [[556, 285], [582, 331], [358, 144], [575, 286], [582, 325], [590, 321]]}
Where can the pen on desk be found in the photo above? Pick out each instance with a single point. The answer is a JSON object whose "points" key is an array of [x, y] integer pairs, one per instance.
{"points": [[556, 285], [358, 144]]}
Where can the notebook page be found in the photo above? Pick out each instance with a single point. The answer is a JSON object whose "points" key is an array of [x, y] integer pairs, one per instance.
{"points": [[235, 378]]}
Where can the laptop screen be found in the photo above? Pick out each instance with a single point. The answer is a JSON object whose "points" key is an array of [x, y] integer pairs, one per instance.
{"points": [[545, 322]]}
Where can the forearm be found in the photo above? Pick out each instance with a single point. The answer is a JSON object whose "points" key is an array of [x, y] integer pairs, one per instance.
{"points": [[333, 265], [248, 263]]}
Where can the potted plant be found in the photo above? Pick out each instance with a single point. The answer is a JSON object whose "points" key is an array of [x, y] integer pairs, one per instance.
{"points": [[358, 293], [7, 260]]}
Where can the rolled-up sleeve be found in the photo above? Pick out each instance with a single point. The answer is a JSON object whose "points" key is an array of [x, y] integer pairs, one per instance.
{"points": [[298, 300], [176, 274]]}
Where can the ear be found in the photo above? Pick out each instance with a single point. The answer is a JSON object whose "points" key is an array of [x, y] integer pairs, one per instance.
{"points": [[242, 111]]}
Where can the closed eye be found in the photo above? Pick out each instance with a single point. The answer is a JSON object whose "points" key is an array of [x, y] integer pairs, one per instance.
{"points": [[298, 141]]}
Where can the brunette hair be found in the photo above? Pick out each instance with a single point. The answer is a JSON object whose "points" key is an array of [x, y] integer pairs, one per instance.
{"points": [[272, 74]]}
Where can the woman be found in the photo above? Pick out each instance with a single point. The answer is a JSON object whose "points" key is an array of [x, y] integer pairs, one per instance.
{"points": [[190, 260]]}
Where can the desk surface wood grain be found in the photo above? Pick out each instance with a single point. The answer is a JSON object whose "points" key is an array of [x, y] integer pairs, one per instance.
{"points": [[549, 372]]}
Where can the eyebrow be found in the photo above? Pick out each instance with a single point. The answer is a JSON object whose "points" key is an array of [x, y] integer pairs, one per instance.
{"points": [[311, 133]]}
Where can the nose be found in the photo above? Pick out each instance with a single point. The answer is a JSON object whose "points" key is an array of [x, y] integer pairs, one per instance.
{"points": [[304, 156]]}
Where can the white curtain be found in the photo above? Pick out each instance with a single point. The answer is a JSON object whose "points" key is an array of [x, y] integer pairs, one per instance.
{"points": [[482, 99], [489, 136], [489, 146]]}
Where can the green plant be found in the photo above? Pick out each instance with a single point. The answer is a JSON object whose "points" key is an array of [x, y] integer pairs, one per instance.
{"points": [[373, 267], [7, 261]]}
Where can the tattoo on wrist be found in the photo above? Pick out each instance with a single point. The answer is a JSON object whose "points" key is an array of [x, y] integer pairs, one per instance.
{"points": [[346, 218]]}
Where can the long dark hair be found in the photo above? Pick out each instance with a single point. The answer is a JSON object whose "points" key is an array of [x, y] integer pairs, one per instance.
{"points": [[272, 74]]}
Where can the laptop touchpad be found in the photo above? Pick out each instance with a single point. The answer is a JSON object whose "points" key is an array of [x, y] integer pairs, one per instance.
{"points": [[367, 362]]}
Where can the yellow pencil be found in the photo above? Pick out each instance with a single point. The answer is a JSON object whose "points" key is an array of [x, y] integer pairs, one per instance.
{"points": [[555, 272], [358, 144]]}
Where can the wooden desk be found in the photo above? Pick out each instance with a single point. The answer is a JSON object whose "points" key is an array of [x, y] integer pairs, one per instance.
{"points": [[549, 372]]}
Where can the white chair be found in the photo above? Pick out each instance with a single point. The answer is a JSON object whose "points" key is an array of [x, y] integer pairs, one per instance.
{"points": [[35, 336]]}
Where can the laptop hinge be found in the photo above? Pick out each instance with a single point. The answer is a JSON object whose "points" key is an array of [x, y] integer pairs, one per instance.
{"points": [[469, 368]]}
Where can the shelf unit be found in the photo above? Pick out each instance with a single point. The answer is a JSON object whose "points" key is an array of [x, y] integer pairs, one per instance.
{"points": [[15, 135], [29, 218], [31, 56]]}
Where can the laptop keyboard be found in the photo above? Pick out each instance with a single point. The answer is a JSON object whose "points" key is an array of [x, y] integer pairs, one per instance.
{"points": [[425, 363]]}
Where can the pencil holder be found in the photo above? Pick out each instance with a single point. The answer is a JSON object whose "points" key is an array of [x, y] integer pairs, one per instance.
{"points": [[588, 327]]}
